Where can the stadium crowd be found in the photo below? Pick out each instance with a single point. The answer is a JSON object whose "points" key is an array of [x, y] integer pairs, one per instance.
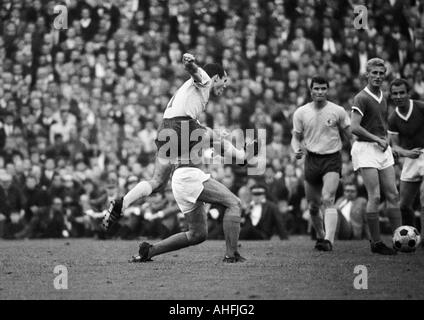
{"points": [[79, 106]]}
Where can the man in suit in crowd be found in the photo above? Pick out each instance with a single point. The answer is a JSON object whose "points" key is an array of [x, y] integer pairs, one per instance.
{"points": [[262, 218], [352, 215], [402, 54]]}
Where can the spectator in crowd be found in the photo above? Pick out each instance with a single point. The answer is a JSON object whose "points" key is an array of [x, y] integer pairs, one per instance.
{"points": [[160, 216], [11, 205], [215, 214], [55, 221], [262, 219], [89, 98], [36, 206], [352, 222]]}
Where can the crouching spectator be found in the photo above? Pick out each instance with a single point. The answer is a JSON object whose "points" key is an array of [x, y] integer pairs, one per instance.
{"points": [[262, 218], [36, 204], [56, 226], [352, 221], [215, 214], [94, 203], [161, 216], [11, 203], [130, 223]]}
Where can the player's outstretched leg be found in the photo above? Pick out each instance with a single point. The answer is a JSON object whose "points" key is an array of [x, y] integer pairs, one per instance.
{"points": [[216, 193], [372, 184], [142, 189], [197, 233]]}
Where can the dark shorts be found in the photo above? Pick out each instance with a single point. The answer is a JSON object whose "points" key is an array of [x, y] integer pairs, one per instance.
{"points": [[317, 165], [177, 136]]}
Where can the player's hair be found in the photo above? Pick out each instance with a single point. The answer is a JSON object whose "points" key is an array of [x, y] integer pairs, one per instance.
{"points": [[375, 62], [214, 68], [319, 80], [399, 82]]}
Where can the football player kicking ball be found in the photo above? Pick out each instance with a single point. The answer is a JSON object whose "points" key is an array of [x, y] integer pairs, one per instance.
{"points": [[406, 132], [179, 118], [179, 124], [192, 188], [322, 126], [372, 155]]}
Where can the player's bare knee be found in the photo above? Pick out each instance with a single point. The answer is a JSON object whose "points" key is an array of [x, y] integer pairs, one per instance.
{"points": [[154, 184], [328, 200], [374, 199], [197, 236], [393, 199], [233, 203], [237, 203]]}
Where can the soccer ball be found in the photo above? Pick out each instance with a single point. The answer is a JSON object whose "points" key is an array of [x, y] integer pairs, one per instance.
{"points": [[406, 239]]}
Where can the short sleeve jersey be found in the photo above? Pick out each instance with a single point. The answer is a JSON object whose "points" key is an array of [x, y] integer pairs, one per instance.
{"points": [[373, 110], [409, 127], [320, 127], [190, 99]]}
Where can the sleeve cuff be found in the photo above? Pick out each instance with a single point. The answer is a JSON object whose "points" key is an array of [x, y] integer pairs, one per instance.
{"points": [[392, 132], [358, 110]]}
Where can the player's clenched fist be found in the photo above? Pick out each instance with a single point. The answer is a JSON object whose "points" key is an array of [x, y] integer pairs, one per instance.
{"points": [[188, 58]]}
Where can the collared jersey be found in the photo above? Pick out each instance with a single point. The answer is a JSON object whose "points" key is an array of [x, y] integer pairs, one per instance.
{"points": [[409, 127], [320, 127], [373, 110], [190, 99]]}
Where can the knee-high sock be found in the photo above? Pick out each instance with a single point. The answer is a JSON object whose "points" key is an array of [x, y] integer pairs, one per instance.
{"points": [[408, 216], [374, 226], [172, 243], [231, 226], [330, 221], [317, 223], [142, 189], [394, 216], [422, 223]]}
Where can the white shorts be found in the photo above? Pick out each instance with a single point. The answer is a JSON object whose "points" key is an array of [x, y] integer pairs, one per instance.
{"points": [[413, 169], [187, 185], [369, 155]]}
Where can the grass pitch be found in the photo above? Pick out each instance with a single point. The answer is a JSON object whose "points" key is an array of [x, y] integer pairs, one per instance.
{"points": [[275, 270]]}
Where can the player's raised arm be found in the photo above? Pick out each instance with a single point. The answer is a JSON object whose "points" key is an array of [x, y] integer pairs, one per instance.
{"points": [[191, 67]]}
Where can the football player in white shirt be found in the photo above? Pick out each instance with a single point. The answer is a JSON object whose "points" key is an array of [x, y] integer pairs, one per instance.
{"points": [[181, 113]]}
